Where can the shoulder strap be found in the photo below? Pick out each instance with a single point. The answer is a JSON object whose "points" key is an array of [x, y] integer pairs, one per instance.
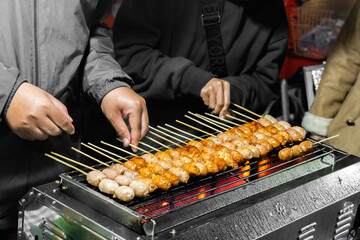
{"points": [[210, 19]]}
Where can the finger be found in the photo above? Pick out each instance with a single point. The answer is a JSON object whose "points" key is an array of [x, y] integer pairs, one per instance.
{"points": [[144, 122], [219, 98], [212, 98], [49, 127], [120, 127], [60, 119], [135, 121], [61, 107], [39, 134], [227, 98], [205, 96]]}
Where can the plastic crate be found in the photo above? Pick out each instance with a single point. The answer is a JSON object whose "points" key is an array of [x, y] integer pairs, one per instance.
{"points": [[313, 31]]}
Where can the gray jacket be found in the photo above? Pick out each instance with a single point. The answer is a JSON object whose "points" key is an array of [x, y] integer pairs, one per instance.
{"points": [[45, 42], [60, 46]]}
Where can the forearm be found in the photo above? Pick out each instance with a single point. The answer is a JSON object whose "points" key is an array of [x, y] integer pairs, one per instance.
{"points": [[102, 72]]}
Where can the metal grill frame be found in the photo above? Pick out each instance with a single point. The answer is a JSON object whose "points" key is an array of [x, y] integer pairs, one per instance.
{"points": [[74, 185]]}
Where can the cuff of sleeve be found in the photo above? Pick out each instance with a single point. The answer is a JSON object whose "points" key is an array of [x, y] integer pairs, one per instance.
{"points": [[194, 80], [17, 84], [108, 86], [316, 124]]}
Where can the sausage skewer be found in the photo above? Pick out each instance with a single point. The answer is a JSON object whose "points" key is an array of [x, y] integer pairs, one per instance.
{"points": [[288, 153]]}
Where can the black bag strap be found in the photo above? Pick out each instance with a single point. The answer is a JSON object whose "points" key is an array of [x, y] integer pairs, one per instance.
{"points": [[211, 19]]}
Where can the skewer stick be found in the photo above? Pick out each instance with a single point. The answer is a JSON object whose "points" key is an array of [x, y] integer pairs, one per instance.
{"points": [[236, 105], [326, 139], [225, 120], [87, 155], [206, 125], [158, 142], [65, 163], [228, 115], [195, 128], [101, 153], [132, 145], [168, 135], [192, 135], [206, 119], [120, 149], [108, 152], [243, 115], [165, 139], [174, 133], [145, 144], [71, 160], [214, 122]]}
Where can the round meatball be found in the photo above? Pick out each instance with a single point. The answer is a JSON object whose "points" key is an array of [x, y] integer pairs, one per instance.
{"points": [[140, 188], [108, 186], [119, 167], [124, 193], [285, 154], [123, 180], [95, 177], [297, 151], [110, 173]]}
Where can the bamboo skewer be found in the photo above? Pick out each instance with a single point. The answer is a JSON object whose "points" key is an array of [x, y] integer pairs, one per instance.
{"points": [[236, 105], [120, 149], [71, 160], [157, 142], [168, 135], [87, 155], [195, 128], [225, 120], [243, 115], [165, 139], [215, 122], [145, 144], [108, 152], [132, 145], [65, 163], [206, 125], [101, 153], [162, 128], [326, 139], [206, 119], [238, 119]]}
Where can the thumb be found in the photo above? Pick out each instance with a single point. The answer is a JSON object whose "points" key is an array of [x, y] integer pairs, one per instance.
{"points": [[61, 107]]}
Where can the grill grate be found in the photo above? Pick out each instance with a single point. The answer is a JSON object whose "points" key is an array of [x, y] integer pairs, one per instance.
{"points": [[200, 189]]}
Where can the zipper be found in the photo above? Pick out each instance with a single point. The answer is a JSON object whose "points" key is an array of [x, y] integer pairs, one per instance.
{"points": [[36, 47]]}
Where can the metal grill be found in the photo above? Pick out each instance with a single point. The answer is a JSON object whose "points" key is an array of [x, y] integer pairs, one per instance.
{"points": [[141, 213]]}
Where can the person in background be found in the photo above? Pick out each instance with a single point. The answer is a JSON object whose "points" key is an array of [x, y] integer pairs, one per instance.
{"points": [[51, 51], [335, 108], [163, 46]]}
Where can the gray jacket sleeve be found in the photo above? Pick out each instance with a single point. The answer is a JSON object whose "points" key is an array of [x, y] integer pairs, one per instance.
{"points": [[10, 80], [102, 73]]}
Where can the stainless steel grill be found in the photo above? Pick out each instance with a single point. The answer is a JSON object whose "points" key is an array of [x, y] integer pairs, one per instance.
{"points": [[205, 204]]}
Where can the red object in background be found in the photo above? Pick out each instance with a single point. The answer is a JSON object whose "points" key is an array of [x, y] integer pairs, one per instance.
{"points": [[292, 63], [289, 4]]}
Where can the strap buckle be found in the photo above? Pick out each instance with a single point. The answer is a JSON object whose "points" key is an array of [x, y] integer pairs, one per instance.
{"points": [[208, 19]]}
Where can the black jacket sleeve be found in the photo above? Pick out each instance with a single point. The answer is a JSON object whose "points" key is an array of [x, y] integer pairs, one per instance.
{"points": [[137, 35]]}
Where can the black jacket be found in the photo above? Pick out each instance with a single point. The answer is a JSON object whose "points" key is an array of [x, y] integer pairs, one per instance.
{"points": [[161, 44]]}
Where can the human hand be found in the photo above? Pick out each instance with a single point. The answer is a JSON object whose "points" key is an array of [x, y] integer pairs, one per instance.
{"points": [[34, 114], [216, 95], [121, 103]]}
